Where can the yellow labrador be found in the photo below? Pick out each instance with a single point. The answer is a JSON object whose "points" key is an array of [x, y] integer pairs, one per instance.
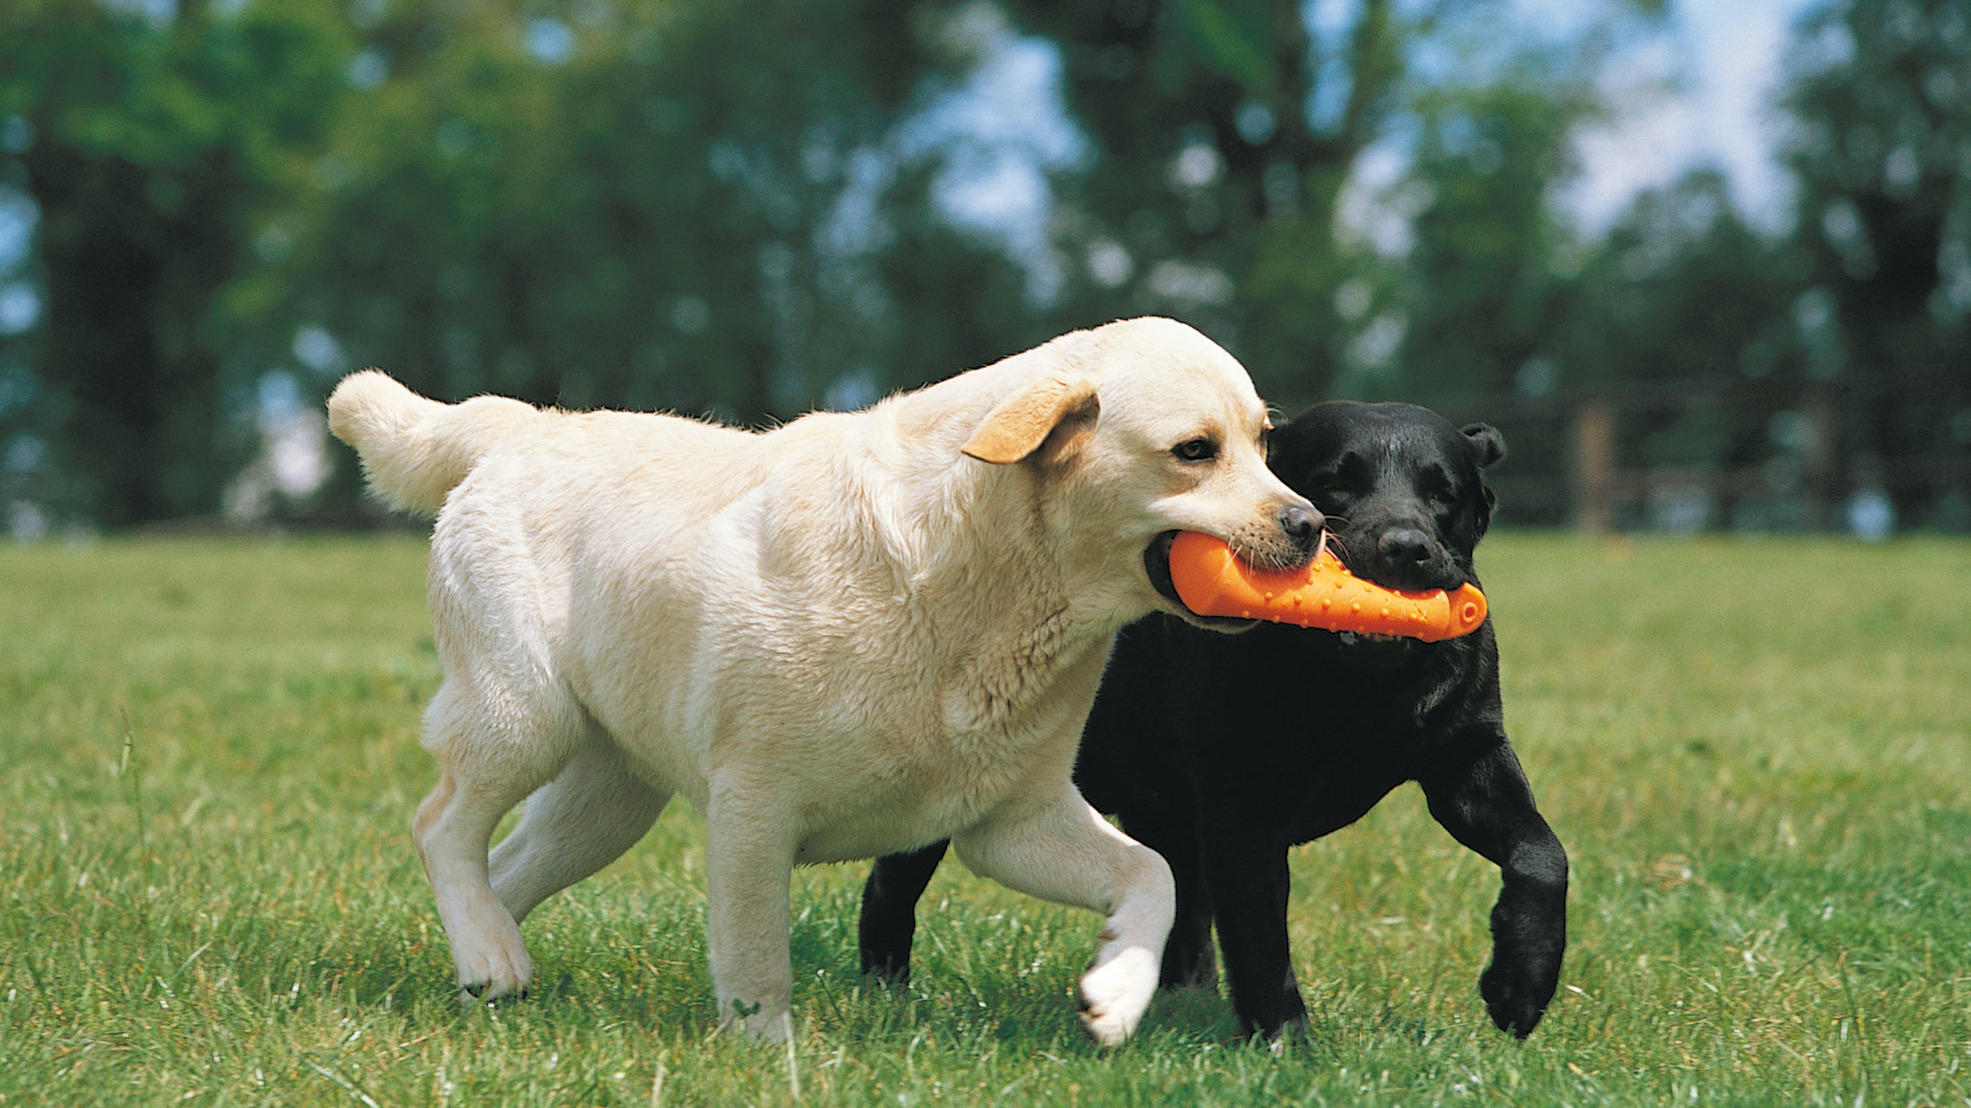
{"points": [[852, 635]]}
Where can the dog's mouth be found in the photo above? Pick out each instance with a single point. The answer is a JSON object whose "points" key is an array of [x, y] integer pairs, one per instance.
{"points": [[1156, 564], [1359, 638], [1373, 650]]}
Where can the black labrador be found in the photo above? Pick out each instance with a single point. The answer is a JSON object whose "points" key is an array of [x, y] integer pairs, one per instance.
{"points": [[1222, 751]]}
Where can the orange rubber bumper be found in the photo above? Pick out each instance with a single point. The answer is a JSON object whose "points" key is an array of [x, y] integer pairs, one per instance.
{"points": [[1212, 581]]}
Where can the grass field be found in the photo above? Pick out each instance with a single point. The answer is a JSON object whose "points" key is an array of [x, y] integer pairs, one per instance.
{"points": [[1757, 752]]}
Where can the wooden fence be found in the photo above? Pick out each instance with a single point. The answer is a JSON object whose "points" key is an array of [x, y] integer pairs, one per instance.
{"points": [[1726, 453]]}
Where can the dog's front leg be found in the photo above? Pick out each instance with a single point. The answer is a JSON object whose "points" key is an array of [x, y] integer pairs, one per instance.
{"points": [[1487, 805], [749, 861], [1246, 870], [1067, 853]]}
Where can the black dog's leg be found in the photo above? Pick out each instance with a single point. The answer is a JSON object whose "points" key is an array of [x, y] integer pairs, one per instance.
{"points": [[1188, 958], [1249, 885], [889, 910], [1488, 806]]}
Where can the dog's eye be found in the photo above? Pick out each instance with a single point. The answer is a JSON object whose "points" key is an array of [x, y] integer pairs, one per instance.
{"points": [[1200, 449], [1437, 490]]}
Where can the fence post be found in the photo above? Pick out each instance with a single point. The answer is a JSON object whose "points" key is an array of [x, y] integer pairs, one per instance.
{"points": [[1821, 464], [1594, 466]]}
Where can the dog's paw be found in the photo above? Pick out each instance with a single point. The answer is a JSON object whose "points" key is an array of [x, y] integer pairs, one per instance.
{"points": [[1515, 1001], [1114, 993], [757, 1023], [886, 968], [494, 973], [1294, 1029]]}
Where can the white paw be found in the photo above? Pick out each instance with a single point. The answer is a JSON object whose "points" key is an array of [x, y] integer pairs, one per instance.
{"points": [[493, 972], [758, 1023], [1114, 994]]}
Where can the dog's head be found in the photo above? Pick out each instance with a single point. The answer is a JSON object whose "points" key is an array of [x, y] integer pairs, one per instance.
{"points": [[1402, 489], [1138, 430]]}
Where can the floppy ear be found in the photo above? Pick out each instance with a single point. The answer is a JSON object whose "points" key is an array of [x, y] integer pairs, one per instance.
{"points": [[1487, 444], [1018, 426], [1487, 447]]}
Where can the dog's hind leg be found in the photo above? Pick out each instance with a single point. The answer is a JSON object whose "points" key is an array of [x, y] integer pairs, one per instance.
{"points": [[574, 825], [493, 753], [1067, 853], [889, 910]]}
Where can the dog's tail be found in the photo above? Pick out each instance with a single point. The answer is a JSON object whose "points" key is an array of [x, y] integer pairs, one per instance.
{"points": [[416, 450]]}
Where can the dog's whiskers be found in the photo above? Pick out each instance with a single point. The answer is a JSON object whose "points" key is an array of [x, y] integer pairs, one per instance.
{"points": [[1332, 541], [1265, 557]]}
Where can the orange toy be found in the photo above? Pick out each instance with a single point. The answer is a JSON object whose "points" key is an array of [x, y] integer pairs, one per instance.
{"points": [[1213, 582]]}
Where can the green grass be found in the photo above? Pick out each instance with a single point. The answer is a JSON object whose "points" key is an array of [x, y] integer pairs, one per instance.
{"points": [[1757, 752]]}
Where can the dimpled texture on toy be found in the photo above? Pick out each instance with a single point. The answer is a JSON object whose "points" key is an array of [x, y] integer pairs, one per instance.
{"points": [[1212, 581]]}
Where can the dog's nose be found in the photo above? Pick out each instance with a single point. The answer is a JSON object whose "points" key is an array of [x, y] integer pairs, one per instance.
{"points": [[1404, 545], [1302, 523]]}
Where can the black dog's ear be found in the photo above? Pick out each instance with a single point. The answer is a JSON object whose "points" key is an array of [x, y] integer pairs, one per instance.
{"points": [[1488, 446]]}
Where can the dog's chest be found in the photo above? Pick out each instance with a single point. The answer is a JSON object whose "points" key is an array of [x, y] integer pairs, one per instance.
{"points": [[906, 798], [1004, 722], [1007, 673]]}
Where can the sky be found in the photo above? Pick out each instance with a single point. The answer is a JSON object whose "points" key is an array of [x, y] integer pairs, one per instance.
{"points": [[1729, 54]]}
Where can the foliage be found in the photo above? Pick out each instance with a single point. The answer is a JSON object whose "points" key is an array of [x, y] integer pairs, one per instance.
{"points": [[1482, 294], [1882, 154], [645, 220], [151, 170], [651, 203], [208, 894], [1227, 138]]}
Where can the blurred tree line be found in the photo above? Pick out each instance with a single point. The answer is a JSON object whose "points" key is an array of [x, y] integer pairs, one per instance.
{"points": [[211, 210]]}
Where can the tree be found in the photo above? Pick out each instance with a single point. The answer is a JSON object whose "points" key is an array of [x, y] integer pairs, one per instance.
{"points": [[1482, 292], [1882, 97], [150, 148], [1222, 136], [652, 214], [633, 203], [1683, 311], [651, 203]]}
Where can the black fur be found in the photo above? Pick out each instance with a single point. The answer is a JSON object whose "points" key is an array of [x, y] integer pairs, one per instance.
{"points": [[1222, 751]]}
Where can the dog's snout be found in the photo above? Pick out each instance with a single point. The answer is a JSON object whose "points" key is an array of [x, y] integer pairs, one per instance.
{"points": [[1404, 546], [1302, 522]]}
